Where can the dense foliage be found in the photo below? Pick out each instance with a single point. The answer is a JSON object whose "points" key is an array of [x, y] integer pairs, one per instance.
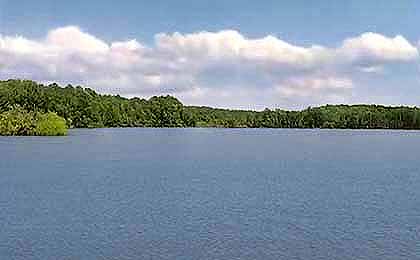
{"points": [[83, 107], [18, 121], [50, 124]]}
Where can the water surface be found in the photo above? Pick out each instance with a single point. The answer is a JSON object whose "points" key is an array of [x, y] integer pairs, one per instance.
{"points": [[211, 194]]}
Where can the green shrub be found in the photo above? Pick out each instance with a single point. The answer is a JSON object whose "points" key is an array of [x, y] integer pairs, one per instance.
{"points": [[50, 124], [18, 122]]}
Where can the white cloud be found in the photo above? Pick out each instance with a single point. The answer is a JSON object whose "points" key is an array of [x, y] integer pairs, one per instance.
{"points": [[202, 67], [372, 48], [314, 87], [71, 38], [372, 69], [230, 45]]}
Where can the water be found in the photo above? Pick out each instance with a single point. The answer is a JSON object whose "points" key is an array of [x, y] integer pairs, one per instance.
{"points": [[211, 194]]}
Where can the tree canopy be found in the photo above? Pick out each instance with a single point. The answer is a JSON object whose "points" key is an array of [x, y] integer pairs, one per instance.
{"points": [[17, 121], [84, 108]]}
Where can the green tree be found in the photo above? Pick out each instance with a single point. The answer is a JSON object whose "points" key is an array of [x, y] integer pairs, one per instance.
{"points": [[17, 122], [83, 107], [50, 124]]}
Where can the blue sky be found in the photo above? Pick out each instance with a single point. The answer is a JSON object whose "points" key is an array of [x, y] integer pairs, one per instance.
{"points": [[254, 83], [300, 21]]}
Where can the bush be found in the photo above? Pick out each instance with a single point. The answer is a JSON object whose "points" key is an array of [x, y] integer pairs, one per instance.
{"points": [[17, 122], [50, 124]]}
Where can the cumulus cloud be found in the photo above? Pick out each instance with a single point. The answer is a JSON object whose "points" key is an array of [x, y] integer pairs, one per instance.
{"points": [[203, 67], [310, 86], [370, 50], [72, 39], [230, 45]]}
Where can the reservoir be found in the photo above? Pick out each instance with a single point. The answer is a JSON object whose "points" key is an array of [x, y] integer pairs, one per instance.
{"points": [[144, 193]]}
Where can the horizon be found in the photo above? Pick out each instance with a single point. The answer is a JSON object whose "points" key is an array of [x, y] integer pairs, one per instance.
{"points": [[213, 107], [236, 55]]}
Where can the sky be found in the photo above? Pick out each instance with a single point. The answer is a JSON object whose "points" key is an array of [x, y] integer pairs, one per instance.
{"points": [[231, 54]]}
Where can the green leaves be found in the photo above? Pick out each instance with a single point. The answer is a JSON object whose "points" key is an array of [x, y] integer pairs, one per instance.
{"points": [[50, 124], [84, 108], [19, 122]]}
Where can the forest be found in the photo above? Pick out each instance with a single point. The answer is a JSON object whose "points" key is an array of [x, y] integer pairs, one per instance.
{"points": [[84, 108]]}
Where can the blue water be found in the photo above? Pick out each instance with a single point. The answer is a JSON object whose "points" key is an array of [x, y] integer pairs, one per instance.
{"points": [[211, 194]]}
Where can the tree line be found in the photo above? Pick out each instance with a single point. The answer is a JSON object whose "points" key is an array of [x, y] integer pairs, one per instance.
{"points": [[85, 108]]}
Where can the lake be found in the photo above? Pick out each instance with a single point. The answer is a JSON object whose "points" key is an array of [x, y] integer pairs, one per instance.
{"points": [[211, 194]]}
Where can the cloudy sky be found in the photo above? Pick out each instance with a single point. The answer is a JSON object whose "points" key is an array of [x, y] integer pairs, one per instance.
{"points": [[234, 54]]}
